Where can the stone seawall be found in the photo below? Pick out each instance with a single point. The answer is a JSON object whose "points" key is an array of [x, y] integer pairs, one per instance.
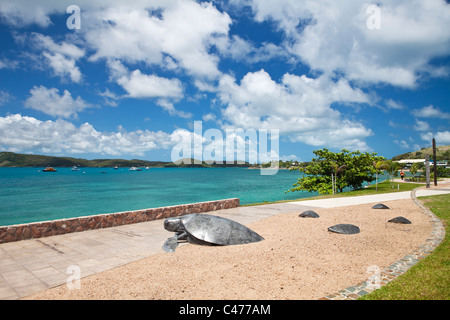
{"points": [[50, 228]]}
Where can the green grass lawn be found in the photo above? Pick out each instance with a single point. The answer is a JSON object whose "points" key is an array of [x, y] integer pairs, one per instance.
{"points": [[383, 187], [429, 279]]}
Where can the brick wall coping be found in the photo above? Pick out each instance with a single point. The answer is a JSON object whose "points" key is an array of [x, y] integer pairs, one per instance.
{"points": [[54, 227]]}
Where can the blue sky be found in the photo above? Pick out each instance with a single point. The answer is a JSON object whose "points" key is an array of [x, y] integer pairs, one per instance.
{"points": [[136, 75]]}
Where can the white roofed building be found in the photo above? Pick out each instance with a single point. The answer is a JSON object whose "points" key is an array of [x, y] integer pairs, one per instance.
{"points": [[409, 162]]}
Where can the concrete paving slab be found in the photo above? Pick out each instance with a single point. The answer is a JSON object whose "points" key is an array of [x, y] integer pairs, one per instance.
{"points": [[431, 192], [349, 201]]}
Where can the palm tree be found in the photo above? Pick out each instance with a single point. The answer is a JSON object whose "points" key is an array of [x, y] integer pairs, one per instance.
{"points": [[415, 168], [379, 166], [334, 171], [392, 168]]}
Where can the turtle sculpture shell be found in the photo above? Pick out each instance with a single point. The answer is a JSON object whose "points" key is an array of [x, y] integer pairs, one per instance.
{"points": [[380, 206], [217, 230], [308, 214], [344, 229], [401, 220]]}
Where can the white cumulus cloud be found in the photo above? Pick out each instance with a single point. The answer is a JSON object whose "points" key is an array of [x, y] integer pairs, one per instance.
{"points": [[442, 137], [430, 112], [60, 57], [19, 133], [180, 36], [141, 86], [50, 102], [332, 36], [298, 106], [421, 126]]}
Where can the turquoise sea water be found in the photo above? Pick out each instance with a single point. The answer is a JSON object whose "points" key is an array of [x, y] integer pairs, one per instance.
{"points": [[30, 195]]}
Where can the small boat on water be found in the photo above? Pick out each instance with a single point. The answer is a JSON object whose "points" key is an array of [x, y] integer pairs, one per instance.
{"points": [[49, 169], [135, 169], [75, 168]]}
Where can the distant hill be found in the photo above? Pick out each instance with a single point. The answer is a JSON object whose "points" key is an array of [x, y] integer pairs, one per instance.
{"points": [[11, 159], [442, 153]]}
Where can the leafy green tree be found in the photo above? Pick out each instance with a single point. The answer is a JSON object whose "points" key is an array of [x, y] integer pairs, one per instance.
{"points": [[331, 172], [443, 172], [415, 168]]}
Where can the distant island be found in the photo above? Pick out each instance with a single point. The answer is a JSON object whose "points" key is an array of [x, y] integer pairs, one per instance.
{"points": [[11, 159], [442, 153]]}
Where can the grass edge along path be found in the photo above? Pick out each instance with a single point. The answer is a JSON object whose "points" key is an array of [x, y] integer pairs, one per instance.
{"points": [[429, 279], [383, 187]]}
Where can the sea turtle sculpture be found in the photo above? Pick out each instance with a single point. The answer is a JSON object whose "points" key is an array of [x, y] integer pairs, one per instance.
{"points": [[344, 229], [207, 229], [400, 220], [308, 214], [380, 206]]}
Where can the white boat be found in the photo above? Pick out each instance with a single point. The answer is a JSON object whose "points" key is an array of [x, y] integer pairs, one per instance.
{"points": [[134, 169], [75, 168]]}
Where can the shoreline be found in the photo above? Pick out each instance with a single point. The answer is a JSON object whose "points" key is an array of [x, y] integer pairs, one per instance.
{"points": [[312, 197]]}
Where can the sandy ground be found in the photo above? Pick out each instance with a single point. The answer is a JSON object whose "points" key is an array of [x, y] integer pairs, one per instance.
{"points": [[299, 259]]}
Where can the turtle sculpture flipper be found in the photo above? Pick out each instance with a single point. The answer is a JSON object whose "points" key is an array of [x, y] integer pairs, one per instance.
{"points": [[207, 229], [171, 244], [174, 224]]}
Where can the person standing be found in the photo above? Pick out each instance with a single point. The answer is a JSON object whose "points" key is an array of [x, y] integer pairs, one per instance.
{"points": [[402, 174]]}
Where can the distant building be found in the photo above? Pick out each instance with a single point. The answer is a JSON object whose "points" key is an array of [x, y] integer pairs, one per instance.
{"points": [[442, 163], [410, 162]]}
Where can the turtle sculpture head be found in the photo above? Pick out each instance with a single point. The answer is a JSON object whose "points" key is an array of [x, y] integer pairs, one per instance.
{"points": [[172, 224], [207, 229]]}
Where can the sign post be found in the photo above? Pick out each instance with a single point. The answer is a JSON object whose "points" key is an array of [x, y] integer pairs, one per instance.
{"points": [[434, 162]]}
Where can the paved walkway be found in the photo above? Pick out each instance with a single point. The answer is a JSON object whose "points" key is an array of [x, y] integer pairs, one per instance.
{"points": [[30, 266]]}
